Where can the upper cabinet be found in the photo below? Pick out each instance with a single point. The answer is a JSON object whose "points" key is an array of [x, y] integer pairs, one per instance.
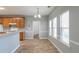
{"points": [[20, 21], [1, 20], [6, 22]]}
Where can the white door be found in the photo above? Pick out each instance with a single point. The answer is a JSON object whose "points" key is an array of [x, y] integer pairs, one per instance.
{"points": [[36, 27]]}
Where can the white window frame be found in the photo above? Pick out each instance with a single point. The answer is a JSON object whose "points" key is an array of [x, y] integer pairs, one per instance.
{"points": [[63, 27], [50, 27], [55, 27]]}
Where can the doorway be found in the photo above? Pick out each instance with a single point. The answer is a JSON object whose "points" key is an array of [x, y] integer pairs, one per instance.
{"points": [[36, 28]]}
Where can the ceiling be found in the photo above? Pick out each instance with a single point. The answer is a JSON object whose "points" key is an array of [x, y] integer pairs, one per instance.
{"points": [[26, 10]]}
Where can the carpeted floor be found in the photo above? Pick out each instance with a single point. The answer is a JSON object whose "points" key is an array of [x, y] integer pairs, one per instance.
{"points": [[36, 46]]}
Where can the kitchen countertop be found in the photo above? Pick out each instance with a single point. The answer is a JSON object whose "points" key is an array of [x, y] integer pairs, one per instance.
{"points": [[7, 33], [9, 42], [10, 32]]}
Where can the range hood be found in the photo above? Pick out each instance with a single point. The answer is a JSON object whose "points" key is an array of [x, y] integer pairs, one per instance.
{"points": [[13, 26]]}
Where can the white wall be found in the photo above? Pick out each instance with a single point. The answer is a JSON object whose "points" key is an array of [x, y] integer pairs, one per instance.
{"points": [[43, 27], [74, 29], [9, 42]]}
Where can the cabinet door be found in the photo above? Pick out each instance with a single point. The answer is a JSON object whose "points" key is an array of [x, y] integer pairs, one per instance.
{"points": [[22, 23], [14, 19], [22, 36], [10, 20], [6, 22], [1, 20], [18, 23]]}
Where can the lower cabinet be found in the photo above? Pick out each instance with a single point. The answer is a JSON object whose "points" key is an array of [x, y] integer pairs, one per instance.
{"points": [[22, 36]]}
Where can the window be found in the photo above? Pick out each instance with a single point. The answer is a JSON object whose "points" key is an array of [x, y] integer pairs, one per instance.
{"points": [[64, 27], [55, 27], [1, 28], [50, 27]]}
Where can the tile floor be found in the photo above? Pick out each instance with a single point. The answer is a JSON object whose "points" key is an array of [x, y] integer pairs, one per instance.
{"points": [[36, 46]]}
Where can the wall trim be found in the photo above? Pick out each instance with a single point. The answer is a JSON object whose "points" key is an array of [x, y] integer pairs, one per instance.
{"points": [[15, 49], [29, 37], [40, 38], [43, 37], [56, 46], [74, 42]]}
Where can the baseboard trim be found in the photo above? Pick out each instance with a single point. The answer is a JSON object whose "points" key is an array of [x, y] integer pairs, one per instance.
{"points": [[43, 38], [29, 38], [15, 49], [56, 46], [74, 42], [39, 38]]}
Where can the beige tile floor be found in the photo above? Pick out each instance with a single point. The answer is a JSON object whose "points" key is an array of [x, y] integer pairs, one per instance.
{"points": [[36, 46]]}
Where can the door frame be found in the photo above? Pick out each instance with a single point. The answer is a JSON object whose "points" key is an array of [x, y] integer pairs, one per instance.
{"points": [[38, 27]]}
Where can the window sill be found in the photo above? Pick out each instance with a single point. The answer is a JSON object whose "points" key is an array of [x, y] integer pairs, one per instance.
{"points": [[67, 44]]}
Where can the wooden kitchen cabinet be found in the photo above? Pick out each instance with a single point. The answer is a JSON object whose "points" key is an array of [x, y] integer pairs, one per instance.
{"points": [[1, 20], [6, 22], [11, 20], [22, 36], [20, 21]]}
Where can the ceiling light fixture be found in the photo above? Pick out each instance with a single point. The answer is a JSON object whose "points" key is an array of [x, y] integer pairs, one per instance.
{"points": [[37, 15], [2, 8]]}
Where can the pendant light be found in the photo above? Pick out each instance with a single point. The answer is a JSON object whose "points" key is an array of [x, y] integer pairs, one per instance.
{"points": [[37, 15]]}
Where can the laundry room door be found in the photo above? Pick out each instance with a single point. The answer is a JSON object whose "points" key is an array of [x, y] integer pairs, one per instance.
{"points": [[36, 27]]}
